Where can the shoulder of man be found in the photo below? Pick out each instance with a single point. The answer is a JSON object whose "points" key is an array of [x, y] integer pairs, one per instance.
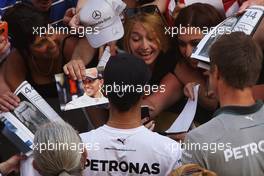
{"points": [[208, 132], [198, 138], [167, 148]]}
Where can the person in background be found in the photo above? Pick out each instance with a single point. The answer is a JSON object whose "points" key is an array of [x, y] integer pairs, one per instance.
{"points": [[126, 147], [36, 59], [237, 126], [4, 51], [4, 5], [192, 22], [145, 38], [247, 3], [56, 11]]}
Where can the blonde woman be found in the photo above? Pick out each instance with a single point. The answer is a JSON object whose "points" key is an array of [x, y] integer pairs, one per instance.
{"points": [[145, 38]]}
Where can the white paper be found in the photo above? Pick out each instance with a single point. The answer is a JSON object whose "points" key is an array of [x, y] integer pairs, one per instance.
{"points": [[246, 23], [26, 168], [105, 57], [203, 65], [32, 112], [184, 120]]}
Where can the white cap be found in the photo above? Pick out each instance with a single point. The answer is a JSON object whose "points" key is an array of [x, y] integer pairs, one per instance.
{"points": [[103, 17]]}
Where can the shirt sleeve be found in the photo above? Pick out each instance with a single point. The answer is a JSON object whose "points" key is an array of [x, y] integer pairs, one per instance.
{"points": [[175, 155]]}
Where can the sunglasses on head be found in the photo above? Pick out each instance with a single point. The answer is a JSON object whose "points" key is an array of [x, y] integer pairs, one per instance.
{"points": [[149, 9]]}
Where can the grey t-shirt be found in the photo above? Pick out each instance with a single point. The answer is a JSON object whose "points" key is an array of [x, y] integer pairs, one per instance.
{"points": [[232, 143]]}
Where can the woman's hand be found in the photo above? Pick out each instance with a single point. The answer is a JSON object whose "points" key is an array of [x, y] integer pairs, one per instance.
{"points": [[4, 45], [8, 101], [12, 164], [69, 14], [189, 90], [75, 69], [249, 3]]}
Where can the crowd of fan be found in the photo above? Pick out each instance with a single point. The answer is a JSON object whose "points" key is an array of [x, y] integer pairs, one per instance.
{"points": [[229, 114]]}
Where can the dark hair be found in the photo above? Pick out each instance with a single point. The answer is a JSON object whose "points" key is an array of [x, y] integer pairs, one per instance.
{"points": [[22, 19], [238, 59], [199, 15], [126, 72]]}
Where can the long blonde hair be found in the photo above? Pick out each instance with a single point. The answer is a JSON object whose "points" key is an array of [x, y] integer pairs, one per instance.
{"points": [[63, 159], [154, 26]]}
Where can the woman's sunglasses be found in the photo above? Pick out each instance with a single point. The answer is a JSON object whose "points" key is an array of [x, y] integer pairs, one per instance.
{"points": [[149, 9]]}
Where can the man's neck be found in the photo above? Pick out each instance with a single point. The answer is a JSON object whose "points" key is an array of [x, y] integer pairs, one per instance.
{"points": [[235, 97], [125, 120]]}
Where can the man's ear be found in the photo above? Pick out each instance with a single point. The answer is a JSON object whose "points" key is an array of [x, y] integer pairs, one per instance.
{"points": [[84, 154], [215, 72], [84, 157]]}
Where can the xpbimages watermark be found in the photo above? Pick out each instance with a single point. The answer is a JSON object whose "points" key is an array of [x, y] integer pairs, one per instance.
{"points": [[121, 89], [81, 31], [190, 30], [60, 146]]}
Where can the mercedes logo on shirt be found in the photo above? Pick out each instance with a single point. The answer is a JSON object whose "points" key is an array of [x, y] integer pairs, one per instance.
{"points": [[96, 14]]}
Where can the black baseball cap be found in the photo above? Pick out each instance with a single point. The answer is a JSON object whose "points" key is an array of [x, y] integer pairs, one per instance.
{"points": [[127, 73]]}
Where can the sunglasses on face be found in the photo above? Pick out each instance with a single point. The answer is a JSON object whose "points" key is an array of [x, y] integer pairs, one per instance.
{"points": [[89, 79]]}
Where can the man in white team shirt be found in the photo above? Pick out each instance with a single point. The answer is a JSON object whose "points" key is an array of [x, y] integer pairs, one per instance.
{"points": [[124, 146]]}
